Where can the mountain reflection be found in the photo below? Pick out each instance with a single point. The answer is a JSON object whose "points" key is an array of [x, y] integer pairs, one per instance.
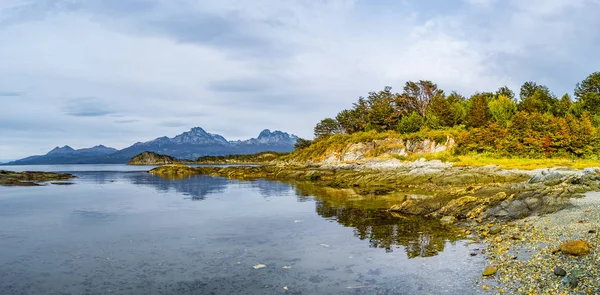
{"points": [[418, 236], [197, 187]]}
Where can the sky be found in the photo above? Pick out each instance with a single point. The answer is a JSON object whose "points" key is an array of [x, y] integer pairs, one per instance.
{"points": [[114, 72]]}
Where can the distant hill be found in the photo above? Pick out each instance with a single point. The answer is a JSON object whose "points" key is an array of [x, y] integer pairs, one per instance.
{"points": [[188, 145], [150, 158]]}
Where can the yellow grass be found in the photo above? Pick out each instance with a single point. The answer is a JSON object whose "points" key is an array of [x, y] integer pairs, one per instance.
{"points": [[524, 163]]}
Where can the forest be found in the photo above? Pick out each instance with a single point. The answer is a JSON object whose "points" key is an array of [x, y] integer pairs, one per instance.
{"points": [[533, 124]]}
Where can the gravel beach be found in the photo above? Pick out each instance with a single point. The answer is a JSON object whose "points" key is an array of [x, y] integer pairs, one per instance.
{"points": [[528, 256]]}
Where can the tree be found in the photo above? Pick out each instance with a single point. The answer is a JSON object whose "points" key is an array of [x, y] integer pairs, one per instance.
{"points": [[302, 143], [504, 90], [588, 92], [478, 114], [502, 109], [563, 106], [536, 98], [445, 111], [411, 123], [383, 113], [326, 127], [418, 95], [528, 88]]}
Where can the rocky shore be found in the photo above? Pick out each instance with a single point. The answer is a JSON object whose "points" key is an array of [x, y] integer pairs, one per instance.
{"points": [[458, 193], [556, 253], [10, 178]]}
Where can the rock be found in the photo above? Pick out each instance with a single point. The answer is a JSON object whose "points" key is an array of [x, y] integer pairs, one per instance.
{"points": [[546, 176], [501, 213], [489, 271], [150, 158], [591, 170], [576, 248], [447, 220], [560, 272], [532, 203], [496, 229], [570, 281], [517, 209]]}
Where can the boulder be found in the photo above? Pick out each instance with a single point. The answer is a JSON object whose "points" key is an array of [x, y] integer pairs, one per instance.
{"points": [[576, 248]]}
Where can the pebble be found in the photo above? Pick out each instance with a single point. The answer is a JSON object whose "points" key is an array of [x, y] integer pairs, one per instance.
{"points": [[560, 272], [489, 271]]}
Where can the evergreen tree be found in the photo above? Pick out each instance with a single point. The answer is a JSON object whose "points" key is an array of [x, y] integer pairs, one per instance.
{"points": [[326, 127], [478, 114], [588, 92]]}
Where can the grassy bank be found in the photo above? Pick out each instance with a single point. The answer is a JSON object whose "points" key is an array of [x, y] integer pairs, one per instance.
{"points": [[524, 163], [479, 160]]}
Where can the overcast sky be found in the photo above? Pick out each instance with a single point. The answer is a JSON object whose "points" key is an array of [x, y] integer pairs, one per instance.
{"points": [[114, 72]]}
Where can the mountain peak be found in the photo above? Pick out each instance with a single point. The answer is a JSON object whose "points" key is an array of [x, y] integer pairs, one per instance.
{"points": [[61, 150]]}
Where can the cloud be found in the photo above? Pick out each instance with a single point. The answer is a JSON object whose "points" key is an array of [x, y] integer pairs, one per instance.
{"points": [[236, 67], [126, 121], [173, 124], [237, 85], [87, 107], [9, 93]]}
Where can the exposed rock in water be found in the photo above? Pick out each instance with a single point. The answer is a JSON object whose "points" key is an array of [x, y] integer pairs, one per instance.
{"points": [[174, 171], [150, 158], [28, 178], [576, 248]]}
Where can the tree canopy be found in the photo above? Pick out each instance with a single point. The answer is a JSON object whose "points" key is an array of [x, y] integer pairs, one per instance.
{"points": [[535, 123]]}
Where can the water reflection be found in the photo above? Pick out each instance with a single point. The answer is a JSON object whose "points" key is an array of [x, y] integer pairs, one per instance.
{"points": [[197, 187], [418, 236]]}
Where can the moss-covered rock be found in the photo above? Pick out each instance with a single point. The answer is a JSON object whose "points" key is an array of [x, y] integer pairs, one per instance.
{"points": [[29, 178], [576, 248]]}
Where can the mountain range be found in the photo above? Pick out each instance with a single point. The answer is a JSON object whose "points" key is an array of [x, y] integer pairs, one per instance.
{"points": [[188, 145]]}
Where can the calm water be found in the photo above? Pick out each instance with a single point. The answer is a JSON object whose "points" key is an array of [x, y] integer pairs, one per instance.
{"points": [[119, 230]]}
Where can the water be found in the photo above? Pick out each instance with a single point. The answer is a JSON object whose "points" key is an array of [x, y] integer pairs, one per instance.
{"points": [[120, 230]]}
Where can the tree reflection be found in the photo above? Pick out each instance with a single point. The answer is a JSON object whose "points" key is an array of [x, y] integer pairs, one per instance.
{"points": [[420, 237]]}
